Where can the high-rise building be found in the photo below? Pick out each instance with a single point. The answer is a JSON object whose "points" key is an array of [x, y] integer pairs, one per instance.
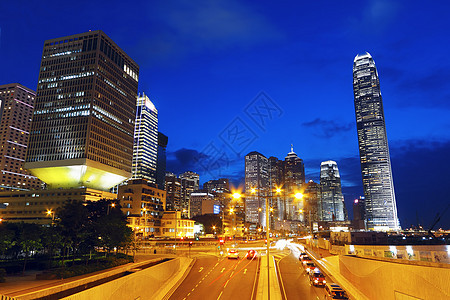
{"points": [[189, 183], [16, 110], [332, 200], [312, 197], [276, 181], [203, 203], [161, 160], [221, 185], [359, 213], [381, 207], [85, 109], [294, 178], [145, 140], [173, 190], [257, 179]]}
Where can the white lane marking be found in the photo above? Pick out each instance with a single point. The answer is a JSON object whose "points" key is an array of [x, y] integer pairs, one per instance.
{"points": [[220, 295], [201, 269], [222, 270]]}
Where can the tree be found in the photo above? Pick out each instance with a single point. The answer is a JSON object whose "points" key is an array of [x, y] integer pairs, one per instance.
{"points": [[208, 221], [29, 239]]}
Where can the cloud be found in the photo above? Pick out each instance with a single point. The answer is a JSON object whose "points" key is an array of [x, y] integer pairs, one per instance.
{"points": [[327, 129]]}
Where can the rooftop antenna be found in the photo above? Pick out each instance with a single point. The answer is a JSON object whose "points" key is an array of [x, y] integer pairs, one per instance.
{"points": [[292, 147]]}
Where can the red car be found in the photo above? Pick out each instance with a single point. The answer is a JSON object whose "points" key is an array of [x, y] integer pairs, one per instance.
{"points": [[251, 254], [317, 278]]}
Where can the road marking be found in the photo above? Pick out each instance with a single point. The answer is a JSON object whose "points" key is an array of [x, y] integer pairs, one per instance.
{"points": [[216, 264], [220, 295], [226, 283], [222, 270], [201, 269], [196, 285], [245, 271], [192, 289], [231, 274], [188, 294]]}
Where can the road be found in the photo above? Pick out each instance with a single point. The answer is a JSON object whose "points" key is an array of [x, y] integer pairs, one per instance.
{"points": [[213, 277]]}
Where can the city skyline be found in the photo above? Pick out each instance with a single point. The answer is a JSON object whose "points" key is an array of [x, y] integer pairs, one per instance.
{"points": [[200, 72]]}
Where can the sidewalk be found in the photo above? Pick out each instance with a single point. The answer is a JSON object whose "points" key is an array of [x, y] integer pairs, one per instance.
{"points": [[262, 291]]}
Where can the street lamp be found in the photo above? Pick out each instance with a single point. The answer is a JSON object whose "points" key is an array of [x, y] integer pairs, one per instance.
{"points": [[51, 213], [145, 220]]}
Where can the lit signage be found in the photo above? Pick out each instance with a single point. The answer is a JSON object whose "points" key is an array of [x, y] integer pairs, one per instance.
{"points": [[216, 209]]}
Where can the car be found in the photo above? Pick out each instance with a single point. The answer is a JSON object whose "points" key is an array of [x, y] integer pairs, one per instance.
{"points": [[334, 291], [309, 266], [233, 253], [317, 278], [251, 254], [306, 259], [301, 255]]}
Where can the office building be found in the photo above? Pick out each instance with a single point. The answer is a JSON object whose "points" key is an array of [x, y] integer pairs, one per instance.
{"points": [[203, 203], [173, 190], [276, 181], [312, 199], [173, 225], [221, 185], [40, 206], [83, 121], [189, 183], [359, 213], [145, 140], [161, 160], [143, 204], [381, 207], [16, 111], [256, 187], [332, 200], [294, 178]]}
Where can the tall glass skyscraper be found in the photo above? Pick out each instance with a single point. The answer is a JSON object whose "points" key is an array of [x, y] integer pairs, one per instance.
{"points": [[83, 122], [381, 207], [145, 140], [332, 200], [256, 177]]}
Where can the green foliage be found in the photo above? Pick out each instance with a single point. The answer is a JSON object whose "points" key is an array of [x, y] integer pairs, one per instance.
{"points": [[209, 221]]}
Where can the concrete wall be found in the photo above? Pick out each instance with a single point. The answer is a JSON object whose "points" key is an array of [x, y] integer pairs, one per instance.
{"points": [[389, 280], [150, 283]]}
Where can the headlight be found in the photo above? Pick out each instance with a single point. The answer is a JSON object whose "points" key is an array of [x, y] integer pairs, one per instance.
{"points": [[316, 281]]}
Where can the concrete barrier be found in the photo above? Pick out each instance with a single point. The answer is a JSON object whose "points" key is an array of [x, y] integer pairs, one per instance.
{"points": [[150, 283], [387, 280]]}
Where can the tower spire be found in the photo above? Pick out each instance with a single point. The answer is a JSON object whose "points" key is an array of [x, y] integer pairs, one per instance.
{"points": [[292, 147]]}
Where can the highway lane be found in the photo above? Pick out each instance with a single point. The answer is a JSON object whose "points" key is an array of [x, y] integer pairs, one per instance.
{"points": [[218, 278], [295, 281]]}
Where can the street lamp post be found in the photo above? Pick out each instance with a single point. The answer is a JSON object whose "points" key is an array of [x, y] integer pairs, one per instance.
{"points": [[268, 247]]}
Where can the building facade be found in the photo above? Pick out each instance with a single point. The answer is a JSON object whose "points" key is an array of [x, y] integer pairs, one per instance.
{"points": [[143, 204], [83, 122], [174, 226], [16, 111], [293, 179], [332, 200], [163, 140], [145, 149], [203, 203], [40, 206], [256, 187], [173, 189], [381, 207]]}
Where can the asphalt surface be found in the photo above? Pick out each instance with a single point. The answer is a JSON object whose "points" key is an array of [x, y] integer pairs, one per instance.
{"points": [[214, 277], [295, 281]]}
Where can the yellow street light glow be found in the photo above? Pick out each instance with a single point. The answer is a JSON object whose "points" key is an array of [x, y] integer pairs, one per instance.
{"points": [[299, 196], [278, 190], [49, 212], [231, 210], [236, 195], [113, 204], [253, 190]]}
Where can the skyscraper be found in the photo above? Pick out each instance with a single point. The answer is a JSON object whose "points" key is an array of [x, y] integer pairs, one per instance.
{"points": [[83, 122], [332, 200], [294, 178], [276, 180], [381, 207], [257, 178], [16, 110], [189, 183], [145, 140], [173, 192], [161, 160]]}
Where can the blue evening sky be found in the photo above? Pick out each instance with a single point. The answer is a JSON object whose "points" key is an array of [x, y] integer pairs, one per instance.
{"points": [[229, 77]]}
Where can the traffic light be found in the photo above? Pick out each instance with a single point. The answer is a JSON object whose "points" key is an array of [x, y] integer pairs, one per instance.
{"points": [[221, 241], [190, 244]]}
